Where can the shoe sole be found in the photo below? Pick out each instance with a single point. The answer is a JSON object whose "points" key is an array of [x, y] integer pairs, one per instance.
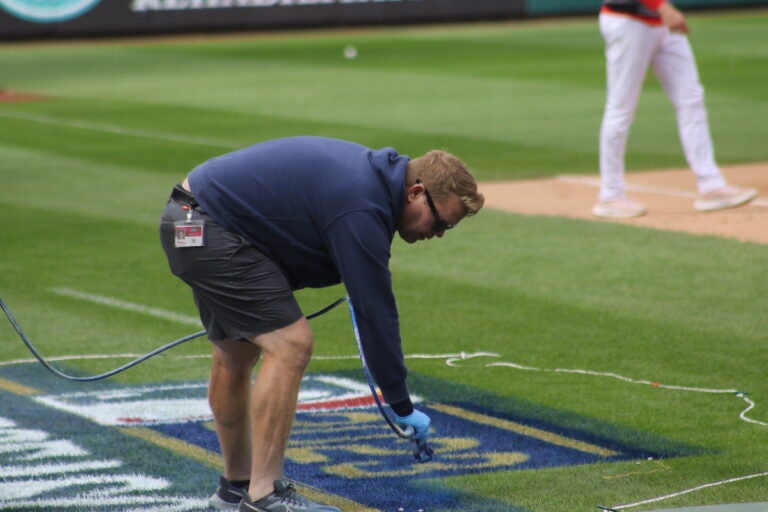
{"points": [[612, 214], [701, 206], [217, 503]]}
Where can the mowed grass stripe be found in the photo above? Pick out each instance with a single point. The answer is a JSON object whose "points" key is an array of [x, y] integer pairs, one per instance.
{"points": [[540, 91]]}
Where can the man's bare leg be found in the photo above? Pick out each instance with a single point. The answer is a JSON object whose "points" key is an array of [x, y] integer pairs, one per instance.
{"points": [[229, 394], [285, 356]]}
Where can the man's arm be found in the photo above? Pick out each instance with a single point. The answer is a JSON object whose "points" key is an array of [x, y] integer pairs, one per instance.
{"points": [[359, 244]]}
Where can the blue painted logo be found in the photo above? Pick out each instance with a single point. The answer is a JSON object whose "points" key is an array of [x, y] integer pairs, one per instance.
{"points": [[339, 441], [339, 444], [47, 11]]}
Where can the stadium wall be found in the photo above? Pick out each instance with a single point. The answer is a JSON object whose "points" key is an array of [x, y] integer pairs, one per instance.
{"points": [[20, 19], [562, 7]]}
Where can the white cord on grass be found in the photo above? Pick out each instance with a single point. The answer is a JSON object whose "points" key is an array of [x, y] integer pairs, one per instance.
{"points": [[687, 491], [739, 394]]}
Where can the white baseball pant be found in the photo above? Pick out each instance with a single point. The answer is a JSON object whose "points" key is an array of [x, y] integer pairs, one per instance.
{"points": [[631, 46]]}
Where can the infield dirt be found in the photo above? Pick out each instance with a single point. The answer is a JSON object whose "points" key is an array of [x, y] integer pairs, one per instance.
{"points": [[668, 195]]}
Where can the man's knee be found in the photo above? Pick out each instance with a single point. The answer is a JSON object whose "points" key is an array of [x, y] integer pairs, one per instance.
{"points": [[291, 346], [297, 351], [235, 357]]}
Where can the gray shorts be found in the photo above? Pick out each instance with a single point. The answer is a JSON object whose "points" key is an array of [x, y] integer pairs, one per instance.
{"points": [[239, 292]]}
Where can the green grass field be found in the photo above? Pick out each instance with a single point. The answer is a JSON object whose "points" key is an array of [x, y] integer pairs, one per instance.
{"points": [[85, 173]]}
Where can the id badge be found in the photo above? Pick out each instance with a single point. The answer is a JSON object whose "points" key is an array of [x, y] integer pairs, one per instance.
{"points": [[189, 233]]}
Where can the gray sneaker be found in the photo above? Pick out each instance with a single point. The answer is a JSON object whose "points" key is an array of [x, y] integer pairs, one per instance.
{"points": [[284, 499], [228, 495]]}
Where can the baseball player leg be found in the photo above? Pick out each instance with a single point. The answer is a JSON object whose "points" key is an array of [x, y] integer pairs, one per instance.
{"points": [[628, 49], [675, 67]]}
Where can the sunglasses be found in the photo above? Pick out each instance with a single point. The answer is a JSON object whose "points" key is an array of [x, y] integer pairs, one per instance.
{"points": [[440, 224]]}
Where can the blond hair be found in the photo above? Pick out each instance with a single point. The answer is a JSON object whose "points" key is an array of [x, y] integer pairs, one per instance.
{"points": [[445, 175]]}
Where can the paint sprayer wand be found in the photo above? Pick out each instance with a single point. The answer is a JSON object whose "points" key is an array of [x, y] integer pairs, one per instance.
{"points": [[422, 451]]}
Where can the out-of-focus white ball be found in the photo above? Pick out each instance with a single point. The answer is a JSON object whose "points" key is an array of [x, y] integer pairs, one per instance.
{"points": [[350, 52]]}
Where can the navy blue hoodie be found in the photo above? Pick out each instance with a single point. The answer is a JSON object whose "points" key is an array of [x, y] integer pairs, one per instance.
{"points": [[325, 211]]}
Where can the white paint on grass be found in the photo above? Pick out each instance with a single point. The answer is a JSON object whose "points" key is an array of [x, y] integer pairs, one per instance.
{"points": [[8, 472], [37, 448], [91, 484], [83, 357], [146, 412], [119, 484], [688, 491], [449, 359], [181, 403], [135, 405], [117, 130], [127, 306]]}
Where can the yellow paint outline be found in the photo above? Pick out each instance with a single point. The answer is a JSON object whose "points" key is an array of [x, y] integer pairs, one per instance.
{"points": [[662, 468], [525, 430], [18, 389], [213, 460]]}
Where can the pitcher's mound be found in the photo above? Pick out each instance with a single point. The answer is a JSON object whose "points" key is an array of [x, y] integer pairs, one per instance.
{"points": [[668, 195]]}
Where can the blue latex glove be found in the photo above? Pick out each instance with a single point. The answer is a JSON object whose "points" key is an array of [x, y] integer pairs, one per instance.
{"points": [[420, 423]]}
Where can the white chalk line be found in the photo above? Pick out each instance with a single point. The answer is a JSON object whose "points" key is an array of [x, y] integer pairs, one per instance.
{"points": [[450, 359], [95, 357], [645, 189], [118, 130], [126, 306], [86, 357], [190, 320], [688, 491]]}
